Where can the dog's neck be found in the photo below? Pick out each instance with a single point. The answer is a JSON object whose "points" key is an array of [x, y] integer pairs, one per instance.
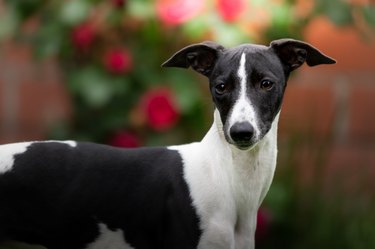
{"points": [[251, 170], [239, 178], [265, 149]]}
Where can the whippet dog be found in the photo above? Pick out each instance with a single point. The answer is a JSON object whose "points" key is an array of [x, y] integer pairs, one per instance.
{"points": [[205, 195]]}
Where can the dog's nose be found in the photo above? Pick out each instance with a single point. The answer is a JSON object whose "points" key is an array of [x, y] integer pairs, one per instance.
{"points": [[242, 133]]}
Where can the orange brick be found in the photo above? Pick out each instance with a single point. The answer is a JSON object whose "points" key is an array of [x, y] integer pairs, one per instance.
{"points": [[41, 103], [350, 168], [362, 113], [308, 109], [344, 44]]}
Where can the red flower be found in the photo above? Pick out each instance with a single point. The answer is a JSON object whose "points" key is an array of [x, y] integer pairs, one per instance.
{"points": [[83, 36], [125, 140], [174, 12], [118, 61], [118, 3], [230, 10], [160, 109], [263, 224]]}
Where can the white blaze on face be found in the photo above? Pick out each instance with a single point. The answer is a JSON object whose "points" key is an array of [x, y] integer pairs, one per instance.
{"points": [[243, 109]]}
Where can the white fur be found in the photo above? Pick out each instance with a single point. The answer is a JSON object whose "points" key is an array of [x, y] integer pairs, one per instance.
{"points": [[243, 109], [71, 143], [227, 185], [109, 239], [9, 151]]}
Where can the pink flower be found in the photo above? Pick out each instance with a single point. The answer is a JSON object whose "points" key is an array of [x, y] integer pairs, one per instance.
{"points": [[174, 12], [118, 61], [160, 109], [230, 10], [125, 139], [83, 36], [263, 224]]}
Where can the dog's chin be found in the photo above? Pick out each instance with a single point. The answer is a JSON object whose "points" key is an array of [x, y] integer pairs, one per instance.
{"points": [[244, 146]]}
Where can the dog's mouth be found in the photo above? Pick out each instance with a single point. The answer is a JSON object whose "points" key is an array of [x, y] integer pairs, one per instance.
{"points": [[244, 145]]}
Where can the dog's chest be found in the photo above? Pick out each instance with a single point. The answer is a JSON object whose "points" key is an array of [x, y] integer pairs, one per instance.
{"points": [[227, 186], [219, 179]]}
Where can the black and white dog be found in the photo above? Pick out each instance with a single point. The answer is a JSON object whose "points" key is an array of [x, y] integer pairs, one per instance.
{"points": [[70, 195]]}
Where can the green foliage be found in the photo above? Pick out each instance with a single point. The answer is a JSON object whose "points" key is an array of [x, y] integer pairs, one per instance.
{"points": [[8, 24], [369, 14], [338, 11], [74, 12]]}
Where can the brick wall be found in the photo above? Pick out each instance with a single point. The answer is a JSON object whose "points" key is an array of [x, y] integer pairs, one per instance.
{"points": [[333, 107], [32, 95]]}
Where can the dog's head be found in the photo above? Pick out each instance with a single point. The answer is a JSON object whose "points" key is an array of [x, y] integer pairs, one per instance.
{"points": [[247, 82]]}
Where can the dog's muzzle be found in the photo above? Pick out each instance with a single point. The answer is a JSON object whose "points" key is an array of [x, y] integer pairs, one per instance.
{"points": [[242, 135]]}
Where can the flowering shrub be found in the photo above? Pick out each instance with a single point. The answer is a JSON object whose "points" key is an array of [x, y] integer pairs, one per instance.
{"points": [[110, 52]]}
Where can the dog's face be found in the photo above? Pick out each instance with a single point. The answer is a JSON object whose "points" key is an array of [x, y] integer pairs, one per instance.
{"points": [[247, 82], [247, 86]]}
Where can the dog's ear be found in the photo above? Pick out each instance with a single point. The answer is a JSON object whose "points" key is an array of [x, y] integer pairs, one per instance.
{"points": [[201, 57], [294, 53]]}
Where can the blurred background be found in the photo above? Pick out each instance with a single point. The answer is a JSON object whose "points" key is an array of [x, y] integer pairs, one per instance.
{"points": [[90, 70]]}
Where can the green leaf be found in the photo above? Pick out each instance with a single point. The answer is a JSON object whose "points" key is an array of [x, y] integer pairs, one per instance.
{"points": [[369, 14], [25, 8], [228, 34], [48, 40], [338, 11], [185, 88], [282, 15], [8, 23], [196, 27], [140, 9], [74, 12], [93, 86]]}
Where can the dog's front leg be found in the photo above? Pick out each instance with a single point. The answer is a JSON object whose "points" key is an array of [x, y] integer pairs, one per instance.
{"points": [[245, 240], [245, 233], [224, 235], [218, 236]]}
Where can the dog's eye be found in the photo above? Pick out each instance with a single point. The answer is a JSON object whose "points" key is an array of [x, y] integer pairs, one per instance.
{"points": [[266, 85], [221, 88]]}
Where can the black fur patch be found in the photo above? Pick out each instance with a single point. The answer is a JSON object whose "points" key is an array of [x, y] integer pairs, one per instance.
{"points": [[56, 195]]}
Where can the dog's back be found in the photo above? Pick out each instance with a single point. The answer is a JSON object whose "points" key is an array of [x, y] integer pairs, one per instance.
{"points": [[69, 195]]}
